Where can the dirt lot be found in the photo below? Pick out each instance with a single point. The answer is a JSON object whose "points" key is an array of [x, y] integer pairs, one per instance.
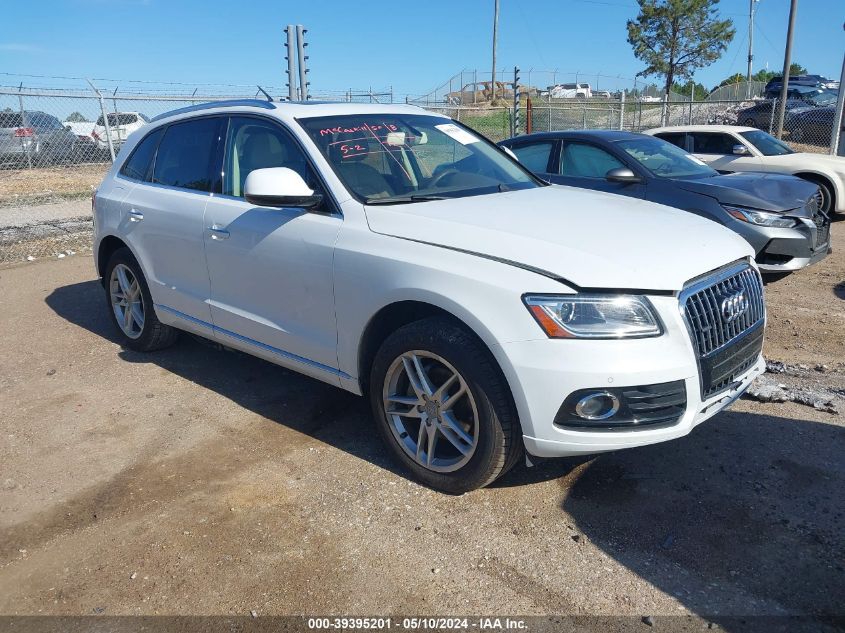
{"points": [[198, 481]]}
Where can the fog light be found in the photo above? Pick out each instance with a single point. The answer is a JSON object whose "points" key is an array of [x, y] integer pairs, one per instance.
{"points": [[599, 405]]}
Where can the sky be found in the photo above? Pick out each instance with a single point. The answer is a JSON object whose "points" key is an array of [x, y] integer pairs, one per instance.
{"points": [[411, 46]]}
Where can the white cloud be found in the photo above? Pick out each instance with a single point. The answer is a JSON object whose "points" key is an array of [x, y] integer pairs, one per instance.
{"points": [[14, 47]]}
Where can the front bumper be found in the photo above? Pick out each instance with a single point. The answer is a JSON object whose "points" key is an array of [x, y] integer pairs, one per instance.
{"points": [[783, 250], [558, 445], [542, 373]]}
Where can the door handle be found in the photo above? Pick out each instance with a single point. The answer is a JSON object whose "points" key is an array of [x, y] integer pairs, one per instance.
{"points": [[135, 216], [218, 232]]}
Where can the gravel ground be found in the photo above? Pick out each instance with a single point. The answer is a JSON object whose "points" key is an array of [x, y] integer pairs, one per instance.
{"points": [[199, 481], [49, 184], [54, 229]]}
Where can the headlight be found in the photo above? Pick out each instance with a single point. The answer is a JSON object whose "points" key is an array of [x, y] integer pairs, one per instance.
{"points": [[761, 218], [594, 316]]}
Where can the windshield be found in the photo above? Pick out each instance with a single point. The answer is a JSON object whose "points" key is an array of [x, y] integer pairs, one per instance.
{"points": [[823, 98], [768, 145], [665, 160], [393, 158]]}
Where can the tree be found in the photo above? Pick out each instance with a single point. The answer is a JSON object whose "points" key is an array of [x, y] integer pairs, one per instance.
{"points": [[699, 91], [762, 75], [76, 117], [796, 69], [733, 79], [675, 37]]}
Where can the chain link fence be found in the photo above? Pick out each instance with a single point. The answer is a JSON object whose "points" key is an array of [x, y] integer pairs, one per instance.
{"points": [[56, 144]]}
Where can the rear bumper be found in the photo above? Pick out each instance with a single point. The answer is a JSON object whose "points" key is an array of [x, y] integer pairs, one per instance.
{"points": [[16, 150]]}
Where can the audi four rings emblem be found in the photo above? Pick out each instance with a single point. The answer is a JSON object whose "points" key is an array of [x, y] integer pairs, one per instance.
{"points": [[734, 306]]}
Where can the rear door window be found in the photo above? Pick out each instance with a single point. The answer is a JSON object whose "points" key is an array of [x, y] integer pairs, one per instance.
{"points": [[535, 156], [40, 121], [186, 153], [676, 138], [581, 160], [713, 143], [139, 165], [52, 123]]}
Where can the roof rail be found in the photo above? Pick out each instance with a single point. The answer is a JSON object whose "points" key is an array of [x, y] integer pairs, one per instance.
{"points": [[253, 103]]}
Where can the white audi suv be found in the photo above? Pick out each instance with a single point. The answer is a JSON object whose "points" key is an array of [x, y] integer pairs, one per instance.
{"points": [[399, 255]]}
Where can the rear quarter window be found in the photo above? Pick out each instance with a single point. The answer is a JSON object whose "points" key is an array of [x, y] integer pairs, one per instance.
{"points": [[139, 163]]}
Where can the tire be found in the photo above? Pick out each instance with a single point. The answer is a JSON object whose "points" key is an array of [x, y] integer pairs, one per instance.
{"points": [[480, 402], [827, 196], [750, 123], [145, 333]]}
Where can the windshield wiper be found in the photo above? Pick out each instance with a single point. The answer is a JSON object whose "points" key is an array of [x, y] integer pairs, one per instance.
{"points": [[404, 199]]}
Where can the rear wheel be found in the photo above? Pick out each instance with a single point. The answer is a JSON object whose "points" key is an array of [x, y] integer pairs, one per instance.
{"points": [[131, 306], [442, 406]]}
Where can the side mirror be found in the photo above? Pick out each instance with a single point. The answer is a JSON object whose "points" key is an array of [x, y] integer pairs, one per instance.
{"points": [[509, 152], [279, 187], [622, 175], [740, 150]]}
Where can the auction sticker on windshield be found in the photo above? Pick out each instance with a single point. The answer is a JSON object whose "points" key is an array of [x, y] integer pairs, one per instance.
{"points": [[462, 136]]}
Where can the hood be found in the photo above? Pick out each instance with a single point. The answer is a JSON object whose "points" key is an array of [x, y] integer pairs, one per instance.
{"points": [[588, 238], [765, 191]]}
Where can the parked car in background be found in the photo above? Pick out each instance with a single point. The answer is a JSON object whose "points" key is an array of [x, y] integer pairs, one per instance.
{"points": [[569, 91], [121, 125], [813, 126], [86, 145], [778, 215], [762, 115], [812, 96], [731, 148], [813, 81], [393, 252], [33, 137]]}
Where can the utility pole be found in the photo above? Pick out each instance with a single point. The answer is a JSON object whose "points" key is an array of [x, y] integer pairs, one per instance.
{"points": [[750, 46], [495, 37], [787, 60]]}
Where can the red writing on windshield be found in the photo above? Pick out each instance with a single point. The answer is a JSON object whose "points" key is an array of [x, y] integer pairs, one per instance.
{"points": [[352, 149], [359, 128]]}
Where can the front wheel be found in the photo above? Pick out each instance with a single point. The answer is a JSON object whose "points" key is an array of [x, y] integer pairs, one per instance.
{"points": [[826, 196], [131, 305], [443, 407]]}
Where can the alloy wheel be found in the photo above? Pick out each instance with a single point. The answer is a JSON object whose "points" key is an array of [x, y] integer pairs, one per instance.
{"points": [[431, 411], [127, 301]]}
